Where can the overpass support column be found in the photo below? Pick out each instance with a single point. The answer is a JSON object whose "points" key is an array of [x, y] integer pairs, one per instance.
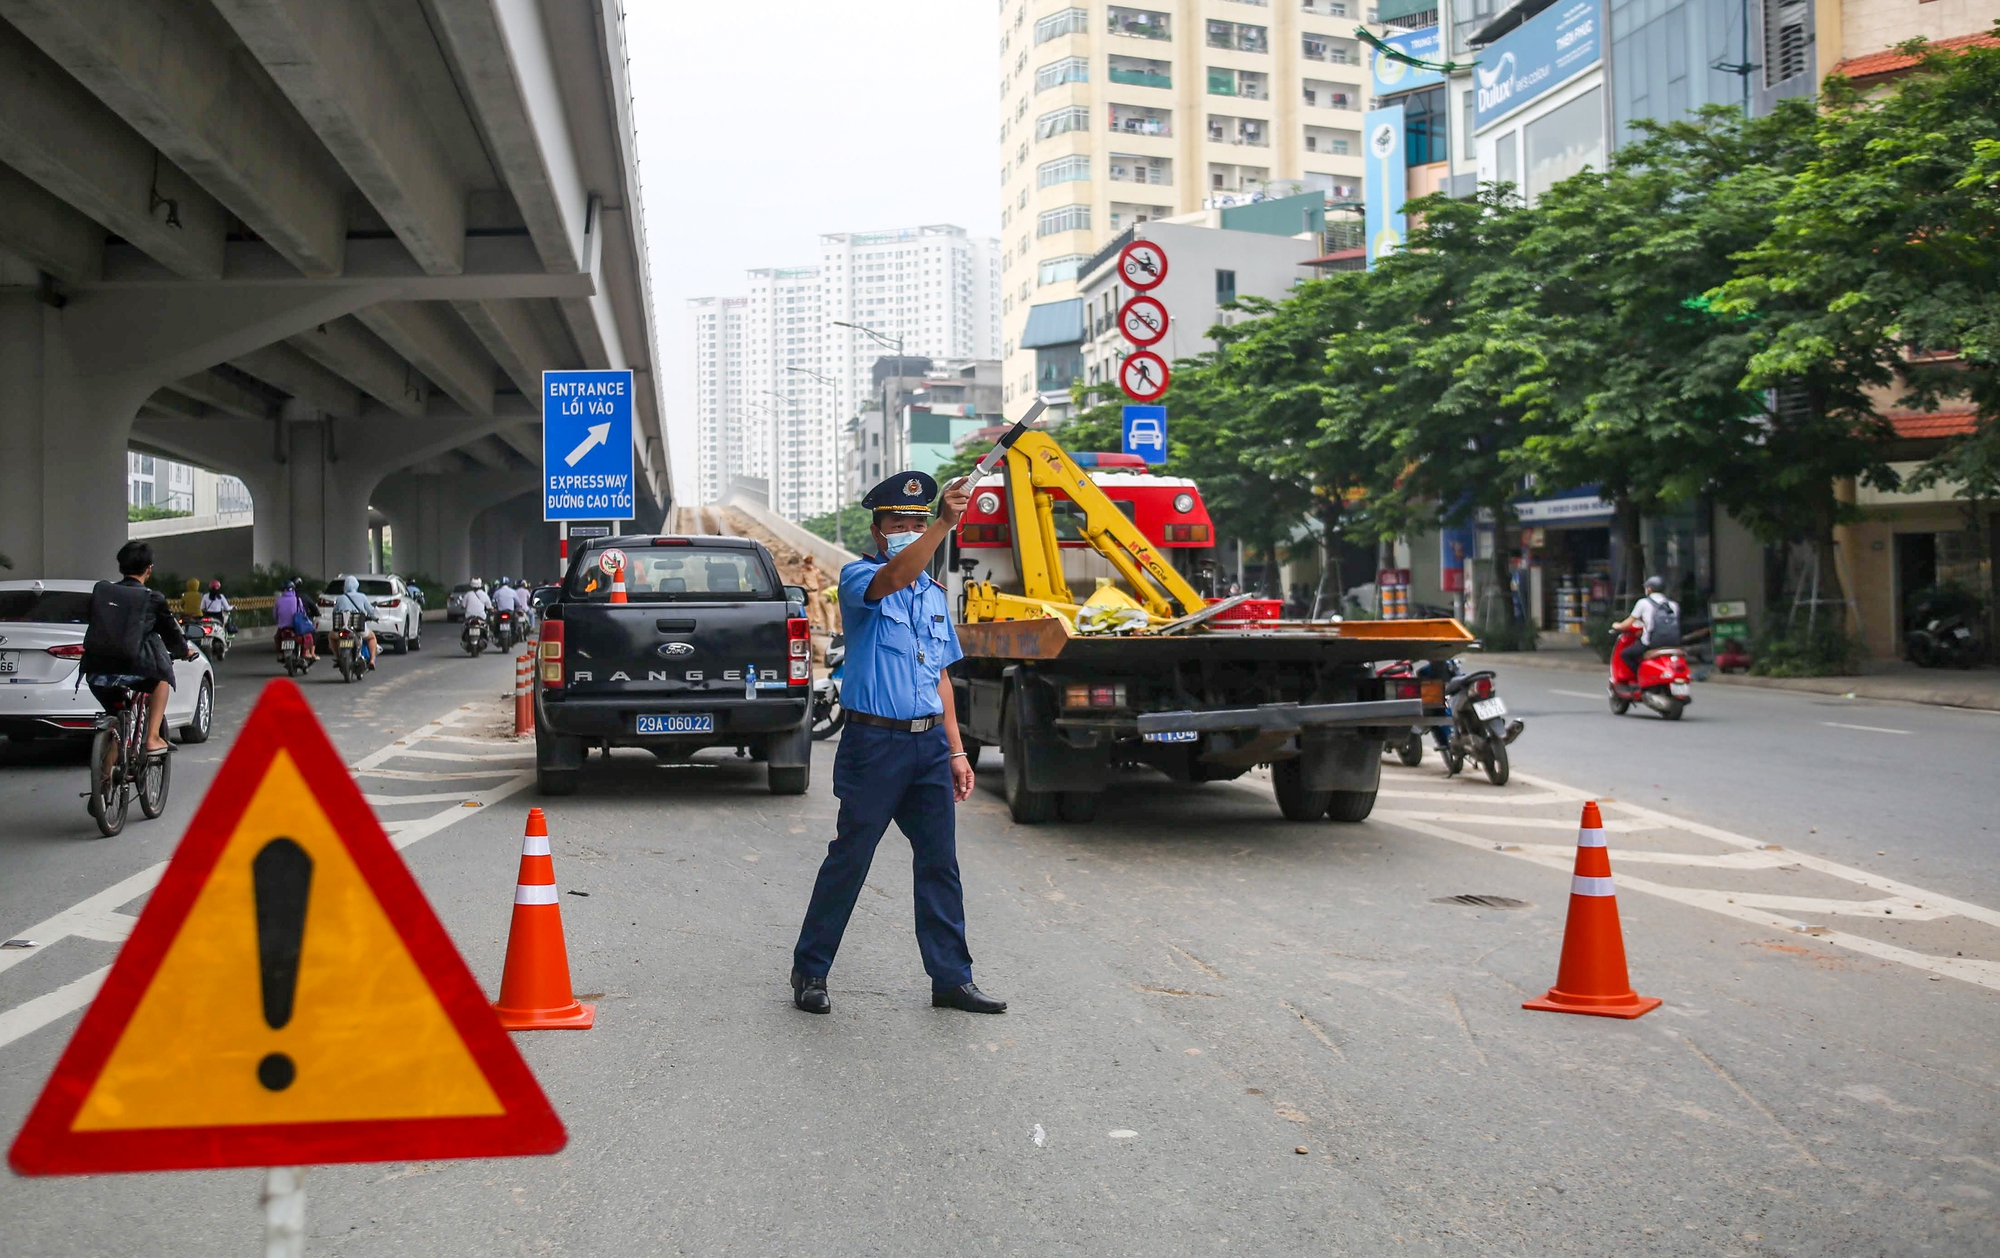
{"points": [[433, 516]]}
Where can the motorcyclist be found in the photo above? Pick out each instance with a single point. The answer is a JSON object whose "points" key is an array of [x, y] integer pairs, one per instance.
{"points": [[289, 611], [215, 603], [1659, 620], [352, 600], [477, 605]]}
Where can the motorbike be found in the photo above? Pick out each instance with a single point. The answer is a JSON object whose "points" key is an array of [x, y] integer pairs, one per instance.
{"points": [[1662, 682], [210, 633], [473, 636], [827, 714], [504, 635], [1405, 680], [350, 645], [291, 653], [1944, 641], [1480, 727]]}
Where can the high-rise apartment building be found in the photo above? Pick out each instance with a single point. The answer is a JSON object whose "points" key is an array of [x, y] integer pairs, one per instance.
{"points": [[1113, 114], [775, 380]]}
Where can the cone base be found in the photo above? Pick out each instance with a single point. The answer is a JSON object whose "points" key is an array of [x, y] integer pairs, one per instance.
{"points": [[1630, 1006], [577, 1017]]}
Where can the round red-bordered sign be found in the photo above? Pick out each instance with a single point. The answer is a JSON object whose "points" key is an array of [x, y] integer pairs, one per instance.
{"points": [[1142, 320], [1142, 265], [611, 560], [1144, 376]]}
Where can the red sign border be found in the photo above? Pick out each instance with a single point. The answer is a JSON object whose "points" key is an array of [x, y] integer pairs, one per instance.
{"points": [[528, 1124], [1166, 377], [1165, 319], [1154, 245]]}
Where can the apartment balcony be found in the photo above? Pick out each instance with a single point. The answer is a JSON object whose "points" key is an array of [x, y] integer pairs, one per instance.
{"points": [[1238, 35], [1141, 72], [1340, 52], [1141, 120], [1139, 23], [1133, 168], [1251, 131], [1247, 84]]}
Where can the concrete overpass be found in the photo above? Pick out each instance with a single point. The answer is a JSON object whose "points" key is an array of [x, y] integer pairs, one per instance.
{"points": [[327, 246]]}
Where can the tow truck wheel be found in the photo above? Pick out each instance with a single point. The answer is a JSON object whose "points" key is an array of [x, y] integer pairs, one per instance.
{"points": [[1350, 805], [1294, 800], [789, 781], [1028, 808]]}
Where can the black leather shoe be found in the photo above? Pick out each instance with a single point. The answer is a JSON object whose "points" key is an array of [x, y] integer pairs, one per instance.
{"points": [[810, 995], [968, 998]]}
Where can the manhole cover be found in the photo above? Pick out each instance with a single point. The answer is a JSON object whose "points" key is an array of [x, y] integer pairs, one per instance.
{"points": [[1482, 901]]}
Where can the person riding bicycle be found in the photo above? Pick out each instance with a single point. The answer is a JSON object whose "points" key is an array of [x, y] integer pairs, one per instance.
{"points": [[351, 599], [288, 611], [132, 641]]}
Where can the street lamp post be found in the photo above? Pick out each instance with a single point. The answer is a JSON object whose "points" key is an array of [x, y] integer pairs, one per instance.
{"points": [[839, 489], [879, 338]]}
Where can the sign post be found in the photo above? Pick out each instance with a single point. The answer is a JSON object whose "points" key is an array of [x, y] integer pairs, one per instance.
{"points": [[587, 469]]}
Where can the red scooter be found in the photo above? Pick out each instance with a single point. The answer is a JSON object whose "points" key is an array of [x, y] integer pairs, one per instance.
{"points": [[1662, 683]]}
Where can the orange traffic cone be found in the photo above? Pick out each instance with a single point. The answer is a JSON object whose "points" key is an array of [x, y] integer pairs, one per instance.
{"points": [[1592, 977], [618, 585], [535, 993]]}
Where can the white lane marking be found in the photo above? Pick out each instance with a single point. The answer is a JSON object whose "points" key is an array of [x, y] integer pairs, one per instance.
{"points": [[97, 917], [1533, 823], [1750, 907], [1651, 856], [411, 775], [1477, 795], [525, 753], [1579, 694], [439, 797], [1872, 729]]}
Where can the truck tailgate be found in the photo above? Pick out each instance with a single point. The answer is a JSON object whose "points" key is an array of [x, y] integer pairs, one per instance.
{"points": [[675, 650]]}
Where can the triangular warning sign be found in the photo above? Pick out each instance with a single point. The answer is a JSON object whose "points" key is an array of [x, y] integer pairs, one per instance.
{"points": [[287, 997]]}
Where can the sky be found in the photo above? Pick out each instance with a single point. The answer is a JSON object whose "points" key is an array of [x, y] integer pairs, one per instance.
{"points": [[761, 126]]}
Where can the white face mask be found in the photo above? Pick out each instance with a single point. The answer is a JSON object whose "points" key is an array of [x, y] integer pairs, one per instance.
{"points": [[893, 543]]}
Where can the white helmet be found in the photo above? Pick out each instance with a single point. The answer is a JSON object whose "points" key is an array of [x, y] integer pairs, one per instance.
{"points": [[477, 584]]}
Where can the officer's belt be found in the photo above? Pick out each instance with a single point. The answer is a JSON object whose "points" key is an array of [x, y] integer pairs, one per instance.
{"points": [[917, 726]]}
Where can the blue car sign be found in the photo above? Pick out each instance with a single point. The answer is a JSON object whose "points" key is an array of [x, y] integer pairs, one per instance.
{"points": [[1146, 432]]}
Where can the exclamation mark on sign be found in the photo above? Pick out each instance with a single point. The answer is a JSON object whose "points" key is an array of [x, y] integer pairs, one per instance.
{"points": [[281, 876]]}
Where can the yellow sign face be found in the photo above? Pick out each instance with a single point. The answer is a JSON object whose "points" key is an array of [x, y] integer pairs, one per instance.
{"points": [[286, 997]]}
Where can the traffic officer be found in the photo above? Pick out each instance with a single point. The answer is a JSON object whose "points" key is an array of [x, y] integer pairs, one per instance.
{"points": [[900, 757]]}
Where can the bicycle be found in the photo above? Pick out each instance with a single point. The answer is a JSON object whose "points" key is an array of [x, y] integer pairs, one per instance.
{"points": [[120, 742]]}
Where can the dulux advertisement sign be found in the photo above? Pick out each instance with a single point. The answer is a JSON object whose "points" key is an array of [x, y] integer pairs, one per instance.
{"points": [[1543, 54], [1392, 76], [1386, 185]]}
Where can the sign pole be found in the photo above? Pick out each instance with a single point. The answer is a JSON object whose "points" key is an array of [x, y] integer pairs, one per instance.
{"points": [[562, 551], [285, 1212]]}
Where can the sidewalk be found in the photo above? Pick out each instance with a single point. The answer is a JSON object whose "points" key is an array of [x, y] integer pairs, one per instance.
{"points": [[1977, 688]]}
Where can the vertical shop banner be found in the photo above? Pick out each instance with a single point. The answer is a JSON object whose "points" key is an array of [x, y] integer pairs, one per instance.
{"points": [[1387, 183]]}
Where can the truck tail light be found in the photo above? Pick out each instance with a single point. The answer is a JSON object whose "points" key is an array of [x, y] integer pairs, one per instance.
{"points": [[74, 651], [551, 651], [1187, 532], [984, 533], [1079, 696], [1409, 690], [798, 634]]}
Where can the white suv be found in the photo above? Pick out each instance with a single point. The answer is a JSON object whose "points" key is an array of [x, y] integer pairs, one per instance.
{"points": [[398, 621]]}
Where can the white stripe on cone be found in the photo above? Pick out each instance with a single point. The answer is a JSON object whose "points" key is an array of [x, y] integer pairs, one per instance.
{"points": [[1590, 838], [535, 845], [1578, 885], [547, 894]]}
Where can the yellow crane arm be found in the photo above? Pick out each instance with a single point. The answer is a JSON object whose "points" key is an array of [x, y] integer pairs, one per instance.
{"points": [[1036, 464]]}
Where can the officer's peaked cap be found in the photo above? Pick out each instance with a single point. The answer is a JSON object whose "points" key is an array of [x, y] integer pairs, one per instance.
{"points": [[905, 492]]}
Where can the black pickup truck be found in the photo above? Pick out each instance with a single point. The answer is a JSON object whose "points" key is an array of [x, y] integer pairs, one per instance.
{"points": [[702, 647]]}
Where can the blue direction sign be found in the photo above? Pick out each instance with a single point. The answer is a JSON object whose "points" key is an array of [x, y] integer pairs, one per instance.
{"points": [[587, 446], [1146, 432]]}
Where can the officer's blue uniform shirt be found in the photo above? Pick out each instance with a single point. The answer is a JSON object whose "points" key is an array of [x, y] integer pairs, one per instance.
{"points": [[897, 646]]}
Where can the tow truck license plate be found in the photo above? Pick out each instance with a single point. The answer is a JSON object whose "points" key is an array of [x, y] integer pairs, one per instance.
{"points": [[1487, 709], [677, 723], [1175, 736]]}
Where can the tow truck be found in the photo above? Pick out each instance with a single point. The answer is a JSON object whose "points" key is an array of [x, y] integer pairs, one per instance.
{"points": [[1143, 671]]}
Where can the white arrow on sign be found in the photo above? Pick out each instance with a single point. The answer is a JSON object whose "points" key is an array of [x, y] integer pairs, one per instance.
{"points": [[599, 434]]}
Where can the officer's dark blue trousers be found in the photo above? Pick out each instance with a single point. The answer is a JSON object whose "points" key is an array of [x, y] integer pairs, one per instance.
{"points": [[883, 775]]}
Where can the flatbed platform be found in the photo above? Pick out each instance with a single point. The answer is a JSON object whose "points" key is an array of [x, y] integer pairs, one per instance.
{"points": [[1341, 642]]}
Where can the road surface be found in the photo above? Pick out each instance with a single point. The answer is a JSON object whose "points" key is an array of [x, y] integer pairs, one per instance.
{"points": [[1199, 988]]}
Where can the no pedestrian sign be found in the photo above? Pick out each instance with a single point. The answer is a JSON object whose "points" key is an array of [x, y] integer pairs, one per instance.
{"points": [[587, 446], [287, 996]]}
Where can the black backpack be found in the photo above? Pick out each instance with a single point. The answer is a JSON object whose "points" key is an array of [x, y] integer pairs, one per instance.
{"points": [[120, 618]]}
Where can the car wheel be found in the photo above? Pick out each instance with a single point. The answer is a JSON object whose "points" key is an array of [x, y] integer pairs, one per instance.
{"points": [[196, 730], [792, 781]]}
